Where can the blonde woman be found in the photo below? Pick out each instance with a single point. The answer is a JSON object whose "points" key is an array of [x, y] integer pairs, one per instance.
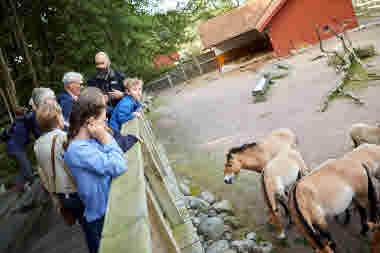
{"points": [[55, 177]]}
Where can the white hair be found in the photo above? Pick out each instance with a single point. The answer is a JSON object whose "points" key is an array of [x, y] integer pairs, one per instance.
{"points": [[71, 77], [105, 55], [39, 96]]}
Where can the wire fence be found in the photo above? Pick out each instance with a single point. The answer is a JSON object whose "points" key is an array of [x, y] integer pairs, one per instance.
{"points": [[185, 71]]}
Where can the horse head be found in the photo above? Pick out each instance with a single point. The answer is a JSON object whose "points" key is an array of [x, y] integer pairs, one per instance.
{"points": [[237, 159]]}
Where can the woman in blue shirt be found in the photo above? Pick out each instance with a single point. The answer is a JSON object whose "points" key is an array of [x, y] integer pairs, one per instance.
{"points": [[94, 159]]}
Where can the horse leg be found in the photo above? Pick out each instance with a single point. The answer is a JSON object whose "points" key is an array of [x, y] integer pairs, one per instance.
{"points": [[270, 190], [347, 217], [301, 210], [282, 200], [363, 217], [322, 229]]}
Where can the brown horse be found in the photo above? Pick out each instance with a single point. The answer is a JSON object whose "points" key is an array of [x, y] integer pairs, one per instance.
{"points": [[329, 191], [277, 176], [255, 156]]}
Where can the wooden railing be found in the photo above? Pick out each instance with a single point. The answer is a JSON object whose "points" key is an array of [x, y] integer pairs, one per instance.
{"points": [[146, 199]]}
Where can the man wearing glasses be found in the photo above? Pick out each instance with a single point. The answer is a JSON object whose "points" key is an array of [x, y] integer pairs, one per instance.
{"points": [[108, 80], [72, 82]]}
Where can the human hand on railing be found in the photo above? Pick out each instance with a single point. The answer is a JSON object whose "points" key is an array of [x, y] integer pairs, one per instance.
{"points": [[137, 114]]}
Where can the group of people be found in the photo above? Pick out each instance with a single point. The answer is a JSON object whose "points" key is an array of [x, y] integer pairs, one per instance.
{"points": [[79, 151]]}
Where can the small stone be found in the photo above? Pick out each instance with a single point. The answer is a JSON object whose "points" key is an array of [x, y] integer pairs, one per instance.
{"points": [[227, 236], [196, 221], [230, 251], [192, 212], [187, 181], [251, 236], [264, 247], [212, 212], [233, 221], [202, 216], [227, 228], [197, 203], [212, 228], [223, 206], [185, 189], [243, 245], [207, 196], [218, 247]]}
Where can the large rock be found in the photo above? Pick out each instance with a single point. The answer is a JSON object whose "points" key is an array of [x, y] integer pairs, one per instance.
{"points": [[233, 221], [243, 245], [223, 206], [212, 228], [207, 196], [218, 247], [197, 203]]}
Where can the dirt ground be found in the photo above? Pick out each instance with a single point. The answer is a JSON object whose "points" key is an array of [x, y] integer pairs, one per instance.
{"points": [[200, 121]]}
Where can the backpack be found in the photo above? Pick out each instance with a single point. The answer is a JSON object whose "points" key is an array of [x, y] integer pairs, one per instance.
{"points": [[8, 131]]}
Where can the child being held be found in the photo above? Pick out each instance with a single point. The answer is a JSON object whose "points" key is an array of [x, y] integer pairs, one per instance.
{"points": [[128, 107]]}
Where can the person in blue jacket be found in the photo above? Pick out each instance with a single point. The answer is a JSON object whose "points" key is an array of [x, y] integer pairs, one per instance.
{"points": [[128, 108], [94, 159], [72, 82], [19, 136]]}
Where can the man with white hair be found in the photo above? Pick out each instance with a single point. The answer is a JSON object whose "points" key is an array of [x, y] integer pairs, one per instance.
{"points": [[72, 82], [108, 80]]}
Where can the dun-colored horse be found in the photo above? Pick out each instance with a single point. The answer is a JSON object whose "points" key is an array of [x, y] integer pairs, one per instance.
{"points": [[255, 156], [277, 176], [329, 191]]}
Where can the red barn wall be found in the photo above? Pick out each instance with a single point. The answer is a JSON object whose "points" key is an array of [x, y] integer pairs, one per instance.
{"points": [[293, 26]]}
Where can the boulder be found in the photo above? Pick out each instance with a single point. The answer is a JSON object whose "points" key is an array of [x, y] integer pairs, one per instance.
{"points": [[212, 228], [223, 206]]}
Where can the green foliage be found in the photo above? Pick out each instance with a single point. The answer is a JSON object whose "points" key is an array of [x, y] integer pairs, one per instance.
{"points": [[64, 35]]}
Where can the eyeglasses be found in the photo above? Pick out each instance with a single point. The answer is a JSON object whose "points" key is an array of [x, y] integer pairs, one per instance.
{"points": [[99, 63]]}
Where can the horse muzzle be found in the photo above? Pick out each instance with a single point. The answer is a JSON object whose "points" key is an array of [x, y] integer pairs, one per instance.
{"points": [[228, 179]]}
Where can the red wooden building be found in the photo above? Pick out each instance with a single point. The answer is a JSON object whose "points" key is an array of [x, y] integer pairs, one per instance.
{"points": [[280, 25]]}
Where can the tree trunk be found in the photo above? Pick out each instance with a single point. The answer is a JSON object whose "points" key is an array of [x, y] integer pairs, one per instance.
{"points": [[10, 86], [21, 37]]}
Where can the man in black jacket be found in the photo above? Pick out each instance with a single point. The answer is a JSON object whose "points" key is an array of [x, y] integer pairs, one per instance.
{"points": [[108, 80]]}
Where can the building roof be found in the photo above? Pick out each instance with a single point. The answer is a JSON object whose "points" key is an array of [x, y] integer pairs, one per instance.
{"points": [[254, 15]]}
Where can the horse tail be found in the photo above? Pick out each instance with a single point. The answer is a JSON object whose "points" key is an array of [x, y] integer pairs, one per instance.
{"points": [[309, 229], [299, 176], [371, 196]]}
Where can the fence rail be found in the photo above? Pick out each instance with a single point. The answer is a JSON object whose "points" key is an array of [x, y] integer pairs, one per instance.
{"points": [[188, 70], [151, 181]]}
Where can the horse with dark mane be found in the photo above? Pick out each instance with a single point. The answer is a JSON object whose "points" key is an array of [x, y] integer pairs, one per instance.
{"points": [[255, 156]]}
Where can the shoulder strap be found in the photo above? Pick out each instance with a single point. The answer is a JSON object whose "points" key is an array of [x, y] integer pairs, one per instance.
{"points": [[53, 159], [68, 172]]}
